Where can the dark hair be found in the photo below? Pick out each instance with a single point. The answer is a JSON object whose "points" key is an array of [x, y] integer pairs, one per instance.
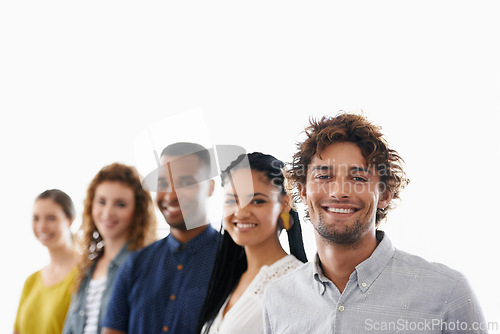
{"points": [[184, 148], [356, 129], [231, 261], [61, 198]]}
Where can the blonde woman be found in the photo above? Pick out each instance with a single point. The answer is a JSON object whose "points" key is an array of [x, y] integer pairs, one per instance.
{"points": [[46, 294], [118, 219]]}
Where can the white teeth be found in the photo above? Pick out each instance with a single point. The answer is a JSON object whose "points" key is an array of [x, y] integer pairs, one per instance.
{"points": [[44, 236], [244, 225], [335, 210], [173, 208]]}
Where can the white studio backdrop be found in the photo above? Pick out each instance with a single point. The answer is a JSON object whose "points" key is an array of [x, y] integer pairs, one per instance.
{"points": [[80, 81]]}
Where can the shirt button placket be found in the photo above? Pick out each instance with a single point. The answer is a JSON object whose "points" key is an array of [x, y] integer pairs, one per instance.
{"points": [[179, 268], [338, 319]]}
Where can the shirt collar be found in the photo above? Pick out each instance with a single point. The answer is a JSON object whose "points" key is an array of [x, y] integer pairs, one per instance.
{"points": [[116, 262], [318, 275], [121, 256], [193, 245], [367, 271], [371, 268]]}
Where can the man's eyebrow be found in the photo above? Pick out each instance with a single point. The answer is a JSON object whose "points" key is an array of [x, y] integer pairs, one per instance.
{"points": [[361, 169], [187, 177], [321, 168], [352, 169]]}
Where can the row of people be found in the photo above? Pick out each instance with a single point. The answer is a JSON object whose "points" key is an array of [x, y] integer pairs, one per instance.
{"points": [[240, 279], [118, 219]]}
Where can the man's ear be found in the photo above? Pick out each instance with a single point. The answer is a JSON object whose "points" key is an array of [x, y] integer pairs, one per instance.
{"points": [[211, 187], [384, 200], [302, 193]]}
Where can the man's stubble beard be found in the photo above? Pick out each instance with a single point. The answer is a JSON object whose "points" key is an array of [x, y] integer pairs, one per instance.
{"points": [[349, 236]]}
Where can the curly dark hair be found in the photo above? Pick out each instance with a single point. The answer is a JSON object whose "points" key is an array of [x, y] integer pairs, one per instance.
{"points": [[143, 228], [347, 127]]}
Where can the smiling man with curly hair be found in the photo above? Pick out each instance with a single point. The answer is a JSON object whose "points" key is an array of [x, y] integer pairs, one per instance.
{"points": [[349, 179]]}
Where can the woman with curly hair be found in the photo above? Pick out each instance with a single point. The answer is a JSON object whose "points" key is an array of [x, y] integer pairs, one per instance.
{"points": [[256, 208], [118, 219], [47, 293]]}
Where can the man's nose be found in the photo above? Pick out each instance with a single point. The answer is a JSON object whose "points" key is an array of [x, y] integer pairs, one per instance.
{"points": [[339, 188], [170, 195]]}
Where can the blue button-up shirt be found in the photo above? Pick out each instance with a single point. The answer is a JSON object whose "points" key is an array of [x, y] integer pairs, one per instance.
{"points": [[390, 292], [161, 288]]}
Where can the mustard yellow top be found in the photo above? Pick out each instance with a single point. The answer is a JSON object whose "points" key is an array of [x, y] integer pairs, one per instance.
{"points": [[42, 308]]}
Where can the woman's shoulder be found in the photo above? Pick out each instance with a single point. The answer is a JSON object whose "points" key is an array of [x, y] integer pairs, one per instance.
{"points": [[286, 264], [33, 278], [280, 268], [72, 275], [32, 284]]}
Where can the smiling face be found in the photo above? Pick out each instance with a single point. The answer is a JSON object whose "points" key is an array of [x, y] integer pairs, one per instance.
{"points": [[184, 204], [113, 210], [342, 194], [50, 223], [256, 222]]}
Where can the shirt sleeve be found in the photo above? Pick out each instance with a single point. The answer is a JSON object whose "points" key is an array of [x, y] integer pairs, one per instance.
{"points": [[463, 313], [117, 314]]}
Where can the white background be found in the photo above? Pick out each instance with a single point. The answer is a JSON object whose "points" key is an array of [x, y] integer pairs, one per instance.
{"points": [[79, 81]]}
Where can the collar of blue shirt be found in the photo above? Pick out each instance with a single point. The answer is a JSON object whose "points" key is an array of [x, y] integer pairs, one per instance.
{"points": [[193, 245], [367, 271]]}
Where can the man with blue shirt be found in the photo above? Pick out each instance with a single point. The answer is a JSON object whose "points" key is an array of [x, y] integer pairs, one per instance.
{"points": [[348, 177], [161, 288]]}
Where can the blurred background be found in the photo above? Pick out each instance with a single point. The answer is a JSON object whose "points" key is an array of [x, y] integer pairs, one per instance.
{"points": [[80, 82]]}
